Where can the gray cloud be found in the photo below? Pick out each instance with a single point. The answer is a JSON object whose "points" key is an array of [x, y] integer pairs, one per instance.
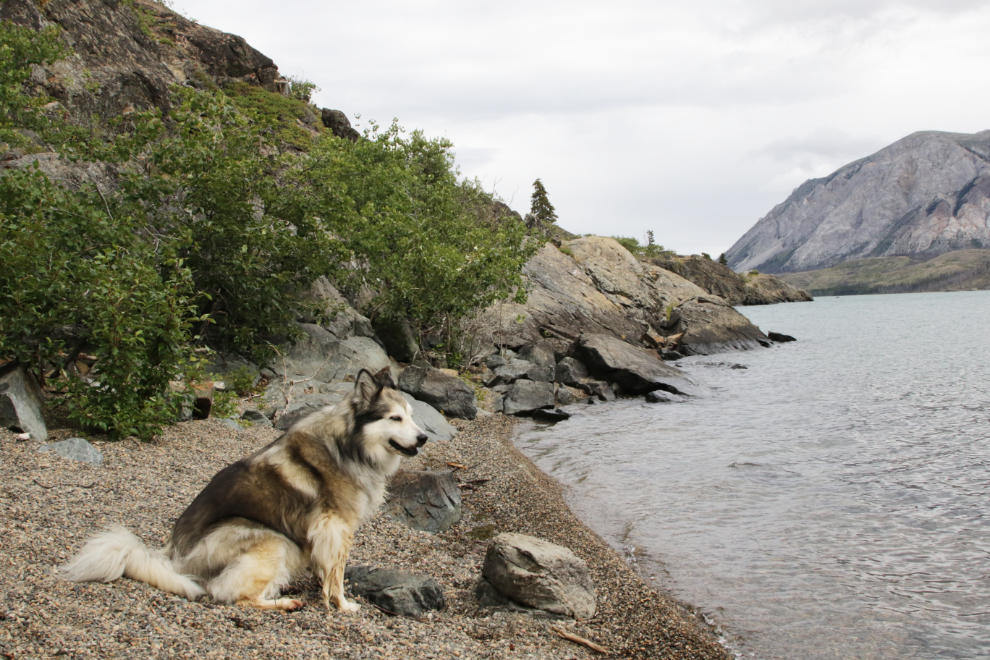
{"points": [[691, 119]]}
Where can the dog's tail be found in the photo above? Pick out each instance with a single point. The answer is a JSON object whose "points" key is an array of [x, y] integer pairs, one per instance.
{"points": [[117, 552]]}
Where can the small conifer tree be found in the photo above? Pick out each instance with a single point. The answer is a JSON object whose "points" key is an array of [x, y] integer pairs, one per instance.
{"points": [[541, 212]]}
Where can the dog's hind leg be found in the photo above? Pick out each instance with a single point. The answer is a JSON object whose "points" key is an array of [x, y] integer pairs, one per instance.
{"points": [[256, 577], [330, 539]]}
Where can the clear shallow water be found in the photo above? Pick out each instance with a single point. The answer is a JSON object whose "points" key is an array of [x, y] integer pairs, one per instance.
{"points": [[828, 501]]}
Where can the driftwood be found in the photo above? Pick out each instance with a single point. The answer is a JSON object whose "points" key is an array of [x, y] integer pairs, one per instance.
{"points": [[577, 639]]}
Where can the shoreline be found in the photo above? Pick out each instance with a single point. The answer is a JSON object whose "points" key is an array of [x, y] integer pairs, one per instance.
{"points": [[54, 505]]}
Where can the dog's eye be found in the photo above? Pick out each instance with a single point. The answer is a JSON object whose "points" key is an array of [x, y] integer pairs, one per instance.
{"points": [[395, 418]]}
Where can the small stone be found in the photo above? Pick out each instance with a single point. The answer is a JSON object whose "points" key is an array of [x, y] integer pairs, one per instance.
{"points": [[552, 416], [428, 501], [396, 592], [257, 417], [75, 449], [657, 396]]}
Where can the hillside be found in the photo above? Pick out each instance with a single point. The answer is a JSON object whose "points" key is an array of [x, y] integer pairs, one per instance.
{"points": [[736, 288], [922, 196], [961, 270]]}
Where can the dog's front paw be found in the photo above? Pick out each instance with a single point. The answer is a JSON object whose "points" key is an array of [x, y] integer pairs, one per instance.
{"points": [[348, 606]]}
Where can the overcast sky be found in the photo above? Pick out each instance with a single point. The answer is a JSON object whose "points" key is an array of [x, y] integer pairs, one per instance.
{"points": [[690, 119]]}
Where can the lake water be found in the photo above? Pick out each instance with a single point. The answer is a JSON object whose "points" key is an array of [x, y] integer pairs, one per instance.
{"points": [[828, 501]]}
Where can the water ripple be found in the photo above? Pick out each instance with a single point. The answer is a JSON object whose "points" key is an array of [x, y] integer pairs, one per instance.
{"points": [[826, 502]]}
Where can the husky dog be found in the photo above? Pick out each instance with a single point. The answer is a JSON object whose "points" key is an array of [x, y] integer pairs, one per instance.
{"points": [[260, 521]]}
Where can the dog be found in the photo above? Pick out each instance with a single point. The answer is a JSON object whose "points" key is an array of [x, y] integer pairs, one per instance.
{"points": [[262, 520]]}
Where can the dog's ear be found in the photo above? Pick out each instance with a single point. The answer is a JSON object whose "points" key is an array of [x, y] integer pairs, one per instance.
{"points": [[366, 389], [384, 378]]}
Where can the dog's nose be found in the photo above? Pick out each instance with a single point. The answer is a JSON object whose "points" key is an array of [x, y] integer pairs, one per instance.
{"points": [[421, 439]]}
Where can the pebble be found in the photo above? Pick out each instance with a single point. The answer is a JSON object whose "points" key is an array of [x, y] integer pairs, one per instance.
{"points": [[52, 506]]}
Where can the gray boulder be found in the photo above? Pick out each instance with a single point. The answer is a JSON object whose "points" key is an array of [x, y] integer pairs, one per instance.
{"points": [[449, 394], [257, 418], [525, 396], [430, 420], [21, 403], [507, 373], [321, 355], [600, 390], [569, 395], [540, 574], [657, 396], [495, 361], [396, 592], [632, 368], [541, 354], [75, 449], [428, 501], [570, 372], [540, 374]]}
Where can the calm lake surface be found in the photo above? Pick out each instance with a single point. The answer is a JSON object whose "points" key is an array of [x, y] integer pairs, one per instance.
{"points": [[828, 501]]}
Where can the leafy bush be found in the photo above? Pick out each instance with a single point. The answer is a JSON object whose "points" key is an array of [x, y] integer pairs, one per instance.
{"points": [[241, 380], [302, 90], [213, 231], [20, 49], [275, 113], [412, 232], [629, 243]]}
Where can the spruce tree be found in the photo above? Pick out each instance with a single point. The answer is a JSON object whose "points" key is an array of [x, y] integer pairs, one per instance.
{"points": [[541, 212]]}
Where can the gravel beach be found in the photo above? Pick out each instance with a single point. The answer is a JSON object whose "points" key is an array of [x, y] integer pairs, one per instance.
{"points": [[51, 506]]}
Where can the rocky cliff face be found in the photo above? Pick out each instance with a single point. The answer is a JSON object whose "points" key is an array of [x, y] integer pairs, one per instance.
{"points": [[127, 53], [720, 280], [600, 288], [926, 194]]}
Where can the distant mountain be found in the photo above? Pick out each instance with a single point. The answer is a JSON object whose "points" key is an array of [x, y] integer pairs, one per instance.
{"points": [[924, 195]]}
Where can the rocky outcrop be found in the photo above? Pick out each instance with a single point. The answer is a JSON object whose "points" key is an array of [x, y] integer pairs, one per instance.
{"points": [[600, 288], [21, 403], [396, 592], [632, 368], [338, 123], [447, 393], [127, 54], [540, 574], [428, 501], [926, 194], [736, 289]]}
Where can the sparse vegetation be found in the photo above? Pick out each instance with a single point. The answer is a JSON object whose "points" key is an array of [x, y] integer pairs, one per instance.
{"points": [[278, 115]]}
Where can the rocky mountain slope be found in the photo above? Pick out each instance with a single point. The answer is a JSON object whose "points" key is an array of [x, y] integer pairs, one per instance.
{"points": [[926, 194], [126, 54], [960, 270]]}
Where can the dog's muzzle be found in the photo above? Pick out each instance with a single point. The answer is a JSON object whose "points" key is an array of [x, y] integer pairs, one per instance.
{"points": [[410, 451]]}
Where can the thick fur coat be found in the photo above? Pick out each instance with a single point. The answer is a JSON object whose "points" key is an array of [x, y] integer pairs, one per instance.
{"points": [[264, 519]]}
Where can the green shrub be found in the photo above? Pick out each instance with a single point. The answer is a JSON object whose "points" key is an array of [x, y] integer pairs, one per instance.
{"points": [[224, 404], [629, 243], [274, 113], [301, 90], [241, 380]]}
